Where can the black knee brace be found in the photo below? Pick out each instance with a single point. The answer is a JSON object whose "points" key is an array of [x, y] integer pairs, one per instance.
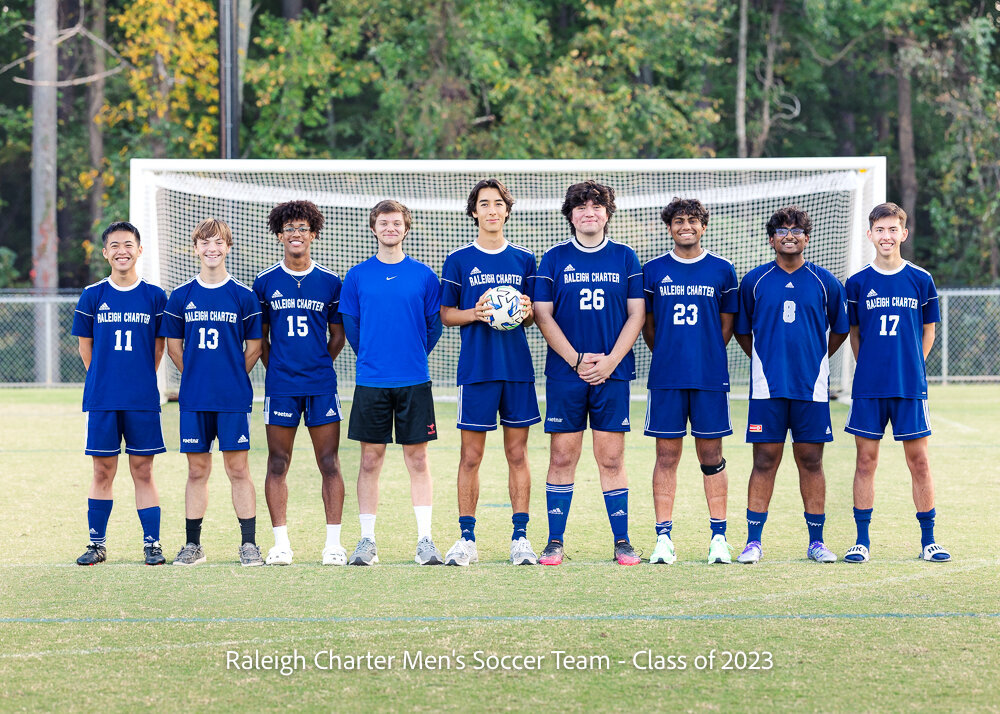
{"points": [[710, 470]]}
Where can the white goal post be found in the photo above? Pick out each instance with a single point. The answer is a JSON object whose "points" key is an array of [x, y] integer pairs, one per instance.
{"points": [[168, 197]]}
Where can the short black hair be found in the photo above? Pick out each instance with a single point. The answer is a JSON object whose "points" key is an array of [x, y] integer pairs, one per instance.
{"points": [[120, 226], [289, 211], [792, 215], [505, 194], [684, 207], [579, 193]]}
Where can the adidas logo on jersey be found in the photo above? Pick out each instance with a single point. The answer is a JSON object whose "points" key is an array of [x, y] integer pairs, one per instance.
{"points": [[190, 306], [556, 511], [789, 284], [619, 512], [330, 412], [277, 294], [667, 280], [569, 268], [104, 306], [872, 293], [475, 271], [243, 439], [625, 422]]}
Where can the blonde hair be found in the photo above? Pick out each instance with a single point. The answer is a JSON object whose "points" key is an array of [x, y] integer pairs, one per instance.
{"points": [[212, 227]]}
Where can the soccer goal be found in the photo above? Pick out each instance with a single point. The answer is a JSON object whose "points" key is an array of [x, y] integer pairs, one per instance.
{"points": [[169, 197]]}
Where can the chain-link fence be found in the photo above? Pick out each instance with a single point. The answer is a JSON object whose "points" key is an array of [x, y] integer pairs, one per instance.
{"points": [[37, 349]]}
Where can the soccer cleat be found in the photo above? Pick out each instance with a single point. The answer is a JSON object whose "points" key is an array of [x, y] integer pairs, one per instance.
{"points": [[463, 552], [664, 552], [521, 552], [752, 553], [553, 554], [190, 554], [250, 555], [718, 550], [365, 553], [95, 554], [820, 553], [279, 556], [625, 554], [334, 555], [935, 553], [154, 553], [857, 554], [427, 553]]}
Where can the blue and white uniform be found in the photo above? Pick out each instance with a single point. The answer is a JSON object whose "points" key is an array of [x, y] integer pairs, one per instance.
{"points": [[689, 373], [589, 289], [890, 310], [495, 372], [298, 308], [215, 395], [120, 394], [790, 316]]}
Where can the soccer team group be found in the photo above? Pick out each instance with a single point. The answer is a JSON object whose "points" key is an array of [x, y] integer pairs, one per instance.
{"points": [[591, 299]]}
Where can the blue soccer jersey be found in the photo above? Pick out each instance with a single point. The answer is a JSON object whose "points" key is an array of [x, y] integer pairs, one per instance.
{"points": [[297, 307], [686, 297], [393, 303], [488, 355], [589, 289], [214, 321], [890, 310], [790, 316], [124, 324]]}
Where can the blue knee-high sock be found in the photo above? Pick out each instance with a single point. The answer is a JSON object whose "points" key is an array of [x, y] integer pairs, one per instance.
{"points": [[558, 499], [616, 501], [520, 521], [863, 519], [150, 520], [718, 526], [98, 513], [815, 521], [467, 524], [664, 528], [926, 519], [755, 524]]}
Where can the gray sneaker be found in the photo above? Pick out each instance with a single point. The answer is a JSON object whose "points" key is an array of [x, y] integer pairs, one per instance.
{"points": [[427, 553], [463, 552], [250, 555], [365, 554], [521, 552], [191, 554]]}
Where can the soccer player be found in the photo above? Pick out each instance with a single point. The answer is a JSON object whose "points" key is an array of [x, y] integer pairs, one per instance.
{"points": [[117, 321], [589, 306], [299, 301], [690, 306], [213, 330], [792, 318], [390, 307], [893, 307], [495, 373]]}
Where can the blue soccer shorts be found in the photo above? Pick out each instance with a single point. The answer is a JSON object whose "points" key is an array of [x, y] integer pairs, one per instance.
{"points": [[768, 421], [199, 430], [479, 404], [911, 419], [141, 431], [568, 405], [318, 410], [668, 412]]}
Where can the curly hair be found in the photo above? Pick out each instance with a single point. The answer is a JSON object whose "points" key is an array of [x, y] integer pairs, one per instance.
{"points": [[690, 207], [470, 204], [285, 213], [390, 206], [212, 227], [789, 215], [579, 193]]}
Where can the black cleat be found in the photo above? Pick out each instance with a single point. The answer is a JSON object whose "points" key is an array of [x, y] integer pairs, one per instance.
{"points": [[154, 553], [553, 554], [95, 554]]}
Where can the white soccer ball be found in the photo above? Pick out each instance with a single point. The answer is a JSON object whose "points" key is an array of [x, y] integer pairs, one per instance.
{"points": [[505, 304]]}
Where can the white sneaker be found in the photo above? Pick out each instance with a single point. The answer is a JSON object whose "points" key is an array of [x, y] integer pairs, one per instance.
{"points": [[464, 552], [334, 555], [279, 556], [664, 551], [427, 553], [521, 552]]}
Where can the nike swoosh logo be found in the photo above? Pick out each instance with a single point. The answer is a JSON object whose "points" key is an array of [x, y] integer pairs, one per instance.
{"points": [[393, 277]]}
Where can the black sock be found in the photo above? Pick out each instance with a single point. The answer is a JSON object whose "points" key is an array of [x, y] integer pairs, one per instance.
{"points": [[193, 526], [248, 528]]}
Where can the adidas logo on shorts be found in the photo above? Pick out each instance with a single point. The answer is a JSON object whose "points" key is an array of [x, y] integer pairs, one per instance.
{"points": [[104, 306], [625, 422], [277, 294], [872, 293], [243, 439], [330, 412], [828, 430], [190, 306], [475, 271]]}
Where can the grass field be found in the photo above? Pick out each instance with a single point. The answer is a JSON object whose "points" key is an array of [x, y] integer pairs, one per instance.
{"points": [[896, 634]]}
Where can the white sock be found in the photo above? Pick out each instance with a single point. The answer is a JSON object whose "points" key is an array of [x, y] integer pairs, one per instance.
{"points": [[423, 514], [281, 538], [367, 525], [333, 535]]}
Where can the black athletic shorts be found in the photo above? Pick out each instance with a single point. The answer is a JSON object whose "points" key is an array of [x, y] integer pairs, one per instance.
{"points": [[373, 409]]}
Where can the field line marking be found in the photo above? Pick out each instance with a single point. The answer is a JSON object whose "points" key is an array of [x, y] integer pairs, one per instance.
{"points": [[957, 424]]}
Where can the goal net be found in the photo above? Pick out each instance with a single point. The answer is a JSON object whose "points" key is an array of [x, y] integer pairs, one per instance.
{"points": [[169, 197]]}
